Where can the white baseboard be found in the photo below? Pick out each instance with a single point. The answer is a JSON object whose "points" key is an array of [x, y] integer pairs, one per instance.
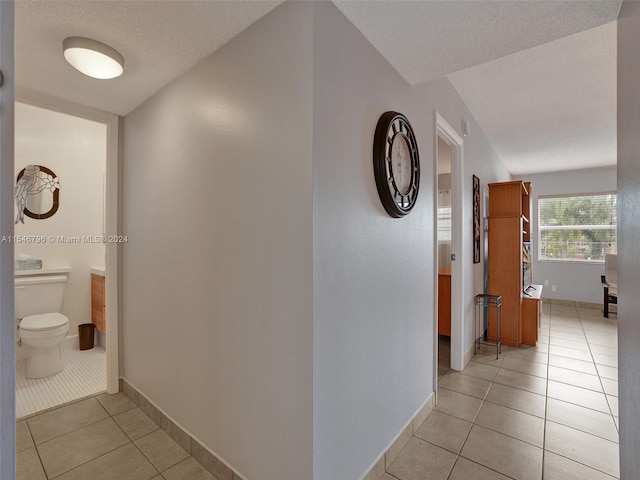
{"points": [[468, 355]]}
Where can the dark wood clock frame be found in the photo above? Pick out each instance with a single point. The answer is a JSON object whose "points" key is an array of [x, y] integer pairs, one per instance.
{"points": [[396, 203]]}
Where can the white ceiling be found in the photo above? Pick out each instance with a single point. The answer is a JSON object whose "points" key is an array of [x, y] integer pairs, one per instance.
{"points": [[159, 40], [552, 107], [540, 93]]}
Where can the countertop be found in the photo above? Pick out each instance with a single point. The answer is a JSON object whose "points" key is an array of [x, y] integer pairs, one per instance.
{"points": [[98, 271], [42, 271]]}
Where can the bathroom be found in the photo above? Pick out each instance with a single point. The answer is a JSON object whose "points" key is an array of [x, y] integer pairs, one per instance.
{"points": [[69, 241]]}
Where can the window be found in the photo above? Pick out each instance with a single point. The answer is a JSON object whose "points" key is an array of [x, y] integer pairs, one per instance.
{"points": [[577, 228], [444, 216]]}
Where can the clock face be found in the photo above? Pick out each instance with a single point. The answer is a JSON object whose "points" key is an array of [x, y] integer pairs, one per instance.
{"points": [[401, 167], [396, 164]]}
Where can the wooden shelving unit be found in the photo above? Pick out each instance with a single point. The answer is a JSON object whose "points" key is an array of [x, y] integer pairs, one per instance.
{"points": [[509, 228]]}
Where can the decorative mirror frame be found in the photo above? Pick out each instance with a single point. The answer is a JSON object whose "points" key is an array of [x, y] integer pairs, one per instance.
{"points": [[55, 192]]}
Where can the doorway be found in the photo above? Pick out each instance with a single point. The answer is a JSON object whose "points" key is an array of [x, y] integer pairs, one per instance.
{"points": [[448, 147], [95, 188], [443, 164]]}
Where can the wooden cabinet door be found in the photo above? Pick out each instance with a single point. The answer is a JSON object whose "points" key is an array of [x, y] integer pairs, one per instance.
{"points": [[444, 302], [98, 302], [505, 276]]}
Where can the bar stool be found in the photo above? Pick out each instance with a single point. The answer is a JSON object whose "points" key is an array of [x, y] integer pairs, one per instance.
{"points": [[483, 301]]}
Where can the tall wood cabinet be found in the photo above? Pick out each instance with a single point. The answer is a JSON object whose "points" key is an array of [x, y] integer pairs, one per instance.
{"points": [[509, 228]]}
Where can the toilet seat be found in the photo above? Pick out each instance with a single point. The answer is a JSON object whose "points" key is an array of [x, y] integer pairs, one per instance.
{"points": [[43, 322]]}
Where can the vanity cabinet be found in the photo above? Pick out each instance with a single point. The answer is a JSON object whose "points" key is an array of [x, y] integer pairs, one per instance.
{"points": [[444, 302], [98, 315]]}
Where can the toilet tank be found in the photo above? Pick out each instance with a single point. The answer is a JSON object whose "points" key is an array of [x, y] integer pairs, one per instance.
{"points": [[39, 294]]}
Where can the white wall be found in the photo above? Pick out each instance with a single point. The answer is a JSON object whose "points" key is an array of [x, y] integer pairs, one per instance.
{"points": [[629, 237], [480, 159], [75, 149], [574, 280], [217, 273], [373, 274], [372, 319], [270, 305]]}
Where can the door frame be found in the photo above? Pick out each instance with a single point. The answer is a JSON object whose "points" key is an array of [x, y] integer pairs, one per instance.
{"points": [[112, 223], [7, 320], [443, 129]]}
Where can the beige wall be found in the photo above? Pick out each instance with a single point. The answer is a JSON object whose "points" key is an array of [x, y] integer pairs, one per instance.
{"points": [[75, 149]]}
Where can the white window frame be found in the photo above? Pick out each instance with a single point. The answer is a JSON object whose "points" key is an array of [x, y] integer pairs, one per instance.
{"points": [[541, 229]]}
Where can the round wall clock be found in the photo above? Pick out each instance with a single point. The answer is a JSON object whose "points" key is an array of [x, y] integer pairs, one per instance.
{"points": [[396, 164]]}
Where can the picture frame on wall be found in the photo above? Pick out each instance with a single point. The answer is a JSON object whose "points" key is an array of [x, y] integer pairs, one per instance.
{"points": [[476, 219]]}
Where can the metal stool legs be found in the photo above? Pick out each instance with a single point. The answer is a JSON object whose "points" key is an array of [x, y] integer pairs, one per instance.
{"points": [[481, 302]]}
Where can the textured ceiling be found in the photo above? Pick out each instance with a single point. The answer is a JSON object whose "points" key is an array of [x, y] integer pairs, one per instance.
{"points": [[551, 107], [423, 40], [159, 40]]}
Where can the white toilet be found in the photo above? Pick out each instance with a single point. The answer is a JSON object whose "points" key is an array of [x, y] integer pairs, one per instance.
{"points": [[38, 302]]}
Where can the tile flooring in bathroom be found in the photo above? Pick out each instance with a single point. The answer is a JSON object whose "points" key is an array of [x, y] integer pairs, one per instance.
{"points": [[106, 437], [84, 374], [546, 412]]}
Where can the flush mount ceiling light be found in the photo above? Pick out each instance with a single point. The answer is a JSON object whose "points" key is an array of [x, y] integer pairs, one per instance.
{"points": [[93, 58]]}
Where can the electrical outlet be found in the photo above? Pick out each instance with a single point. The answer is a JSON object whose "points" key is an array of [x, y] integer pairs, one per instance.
{"points": [[546, 283], [553, 288]]}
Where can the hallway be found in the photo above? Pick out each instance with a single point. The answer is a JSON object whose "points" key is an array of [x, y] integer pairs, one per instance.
{"points": [[548, 412]]}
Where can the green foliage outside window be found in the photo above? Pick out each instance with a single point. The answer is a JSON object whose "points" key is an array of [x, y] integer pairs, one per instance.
{"points": [[577, 228]]}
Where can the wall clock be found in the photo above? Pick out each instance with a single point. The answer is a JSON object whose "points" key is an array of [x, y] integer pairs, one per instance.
{"points": [[396, 164]]}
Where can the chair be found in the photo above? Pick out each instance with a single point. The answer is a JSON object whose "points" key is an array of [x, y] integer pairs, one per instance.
{"points": [[610, 282]]}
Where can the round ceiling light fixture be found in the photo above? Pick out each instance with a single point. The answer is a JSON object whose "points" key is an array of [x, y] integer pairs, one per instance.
{"points": [[93, 58]]}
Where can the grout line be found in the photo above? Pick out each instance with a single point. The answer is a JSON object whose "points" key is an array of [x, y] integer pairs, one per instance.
{"points": [[37, 451], [71, 431], [584, 431], [548, 320], [546, 399], [588, 433], [89, 461], [84, 375], [585, 465]]}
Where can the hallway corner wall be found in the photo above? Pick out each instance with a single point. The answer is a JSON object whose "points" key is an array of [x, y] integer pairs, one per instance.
{"points": [[629, 237], [217, 272], [480, 159], [372, 274]]}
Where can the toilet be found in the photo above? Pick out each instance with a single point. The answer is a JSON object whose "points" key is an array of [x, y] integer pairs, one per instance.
{"points": [[41, 327]]}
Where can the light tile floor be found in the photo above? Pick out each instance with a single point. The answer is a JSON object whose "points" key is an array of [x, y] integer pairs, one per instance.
{"points": [[106, 437], [84, 374], [546, 412]]}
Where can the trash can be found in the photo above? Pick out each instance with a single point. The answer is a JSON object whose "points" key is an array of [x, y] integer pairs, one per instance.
{"points": [[85, 335]]}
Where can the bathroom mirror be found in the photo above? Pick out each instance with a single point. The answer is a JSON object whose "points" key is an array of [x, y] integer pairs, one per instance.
{"points": [[37, 193]]}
